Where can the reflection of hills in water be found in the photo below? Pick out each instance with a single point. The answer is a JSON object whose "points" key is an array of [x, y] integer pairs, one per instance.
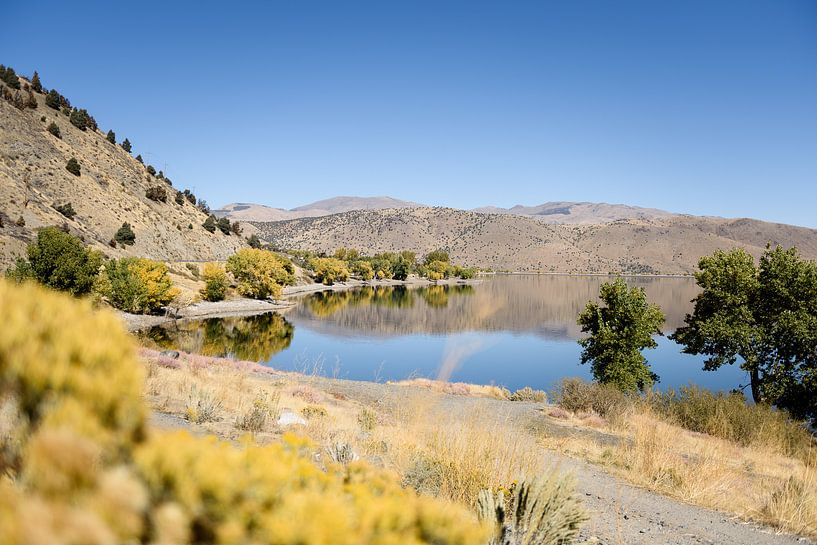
{"points": [[251, 338], [547, 306]]}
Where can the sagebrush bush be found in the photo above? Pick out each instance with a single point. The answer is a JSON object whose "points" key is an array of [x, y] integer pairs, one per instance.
{"points": [[728, 416], [580, 396], [86, 471], [136, 284], [529, 394], [260, 274]]}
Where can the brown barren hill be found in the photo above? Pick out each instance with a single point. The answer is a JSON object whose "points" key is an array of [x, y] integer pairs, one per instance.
{"points": [[111, 189], [670, 245]]}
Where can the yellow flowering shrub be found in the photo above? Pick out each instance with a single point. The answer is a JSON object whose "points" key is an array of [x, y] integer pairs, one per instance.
{"points": [[259, 273], [86, 474]]}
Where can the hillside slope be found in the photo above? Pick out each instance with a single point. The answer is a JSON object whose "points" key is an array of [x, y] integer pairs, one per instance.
{"points": [[110, 190], [579, 212], [508, 242], [259, 212]]}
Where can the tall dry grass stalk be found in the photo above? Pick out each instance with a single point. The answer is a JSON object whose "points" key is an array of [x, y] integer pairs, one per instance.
{"points": [[456, 453]]}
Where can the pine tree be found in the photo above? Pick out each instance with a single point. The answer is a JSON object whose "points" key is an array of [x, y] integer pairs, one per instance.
{"points": [[139, 158], [126, 145], [125, 235], [72, 166], [224, 225], [210, 224], [79, 119], [32, 102], [36, 84], [111, 136], [54, 129]]}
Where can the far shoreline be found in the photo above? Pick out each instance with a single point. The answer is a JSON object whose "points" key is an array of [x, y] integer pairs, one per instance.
{"points": [[242, 306]]}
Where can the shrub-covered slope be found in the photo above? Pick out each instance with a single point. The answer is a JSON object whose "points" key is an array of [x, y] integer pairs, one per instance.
{"points": [[112, 188]]}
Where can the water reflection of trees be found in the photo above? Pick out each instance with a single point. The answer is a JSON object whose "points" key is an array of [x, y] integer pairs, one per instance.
{"points": [[253, 338], [437, 296], [326, 303], [543, 305]]}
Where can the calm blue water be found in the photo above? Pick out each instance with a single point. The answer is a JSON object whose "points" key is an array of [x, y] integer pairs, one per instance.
{"points": [[513, 331]]}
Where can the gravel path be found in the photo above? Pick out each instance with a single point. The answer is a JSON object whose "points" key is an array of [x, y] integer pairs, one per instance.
{"points": [[620, 513]]}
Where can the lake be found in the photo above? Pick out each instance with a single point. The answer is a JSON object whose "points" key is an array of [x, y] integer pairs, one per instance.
{"points": [[510, 330]]}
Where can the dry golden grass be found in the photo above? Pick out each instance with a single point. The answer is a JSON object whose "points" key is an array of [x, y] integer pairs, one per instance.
{"points": [[453, 450], [752, 482], [457, 388]]}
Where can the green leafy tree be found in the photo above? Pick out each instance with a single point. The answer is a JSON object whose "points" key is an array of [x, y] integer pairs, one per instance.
{"points": [[401, 269], [436, 255], [126, 145], [72, 166], [125, 235], [619, 330], [136, 284], [52, 100], [111, 137], [36, 84], [54, 129], [210, 224], [763, 315], [60, 261]]}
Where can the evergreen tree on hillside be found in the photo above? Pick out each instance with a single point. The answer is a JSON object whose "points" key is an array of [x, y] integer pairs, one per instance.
{"points": [[151, 170], [179, 198], [72, 166], [79, 119], [126, 145], [9, 77], [210, 224], [125, 235], [52, 99], [54, 129], [139, 158], [224, 225], [253, 241], [111, 136], [32, 102], [36, 84]]}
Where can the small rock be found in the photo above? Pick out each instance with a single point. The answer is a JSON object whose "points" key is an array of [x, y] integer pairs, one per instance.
{"points": [[289, 418], [172, 354]]}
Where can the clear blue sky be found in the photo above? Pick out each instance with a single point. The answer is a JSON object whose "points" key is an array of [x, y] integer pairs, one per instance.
{"points": [[702, 107]]}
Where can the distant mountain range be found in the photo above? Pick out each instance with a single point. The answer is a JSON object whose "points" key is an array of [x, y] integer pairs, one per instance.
{"points": [[664, 245], [258, 212], [549, 212]]}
